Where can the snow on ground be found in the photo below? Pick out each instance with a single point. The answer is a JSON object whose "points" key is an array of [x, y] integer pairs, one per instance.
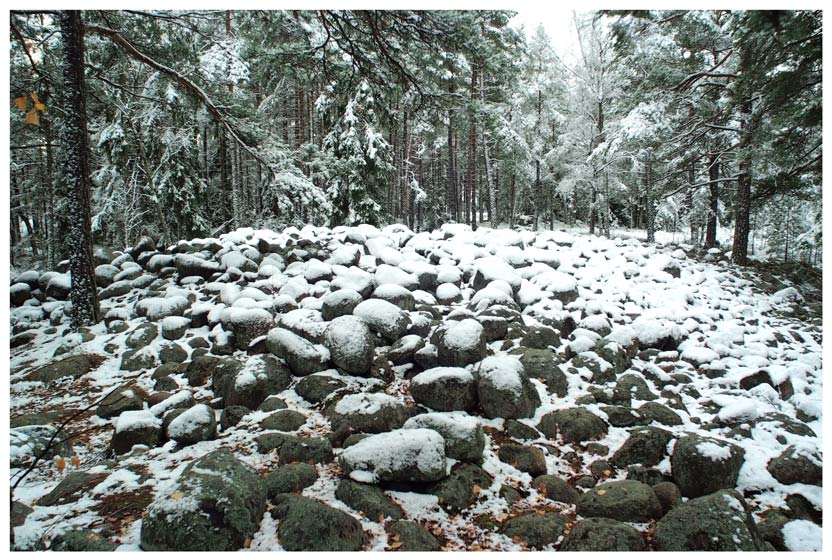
{"points": [[726, 325]]}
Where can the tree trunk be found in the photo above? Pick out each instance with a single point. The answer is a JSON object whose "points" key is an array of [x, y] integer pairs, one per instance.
{"points": [[76, 172], [713, 202], [471, 178], [742, 206]]}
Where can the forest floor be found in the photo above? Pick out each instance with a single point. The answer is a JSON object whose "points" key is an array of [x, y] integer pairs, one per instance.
{"points": [[653, 344]]}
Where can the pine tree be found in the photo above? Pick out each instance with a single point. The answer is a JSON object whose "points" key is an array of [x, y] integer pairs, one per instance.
{"points": [[76, 171]]}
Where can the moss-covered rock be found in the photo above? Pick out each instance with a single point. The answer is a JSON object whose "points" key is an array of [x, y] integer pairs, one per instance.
{"points": [[293, 477], [703, 465], [283, 420], [599, 534], [368, 499], [73, 366], [459, 490], [574, 425], [556, 489], [523, 457], [624, 500], [412, 537], [544, 364], [217, 504], [536, 530], [309, 525], [646, 446], [716, 522]]}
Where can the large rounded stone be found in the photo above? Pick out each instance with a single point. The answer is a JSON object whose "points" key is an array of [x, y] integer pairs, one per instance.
{"points": [[217, 504], [302, 357], [645, 446], [247, 324], [445, 389], [414, 455], [338, 303], [383, 317], [368, 499], [368, 413], [293, 477], [196, 424], [556, 489], [523, 457], [574, 425], [797, 466], [544, 364], [624, 500], [703, 465], [600, 534], [716, 522], [461, 343], [463, 434], [128, 397], [536, 530], [309, 525], [350, 344], [412, 537], [504, 390]]}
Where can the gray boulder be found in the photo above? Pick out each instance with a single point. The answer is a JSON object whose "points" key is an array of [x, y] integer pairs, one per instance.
{"points": [[712, 523], [624, 500], [703, 465], [196, 424], [504, 390], [350, 344], [599, 534], [463, 434], [445, 389], [574, 425], [413, 455], [302, 357], [461, 343], [797, 466], [309, 525], [217, 504]]}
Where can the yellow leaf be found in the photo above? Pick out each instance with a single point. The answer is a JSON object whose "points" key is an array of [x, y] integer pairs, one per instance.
{"points": [[93, 537], [21, 103], [177, 495], [395, 546], [601, 492], [40, 107], [75, 461], [32, 118], [35, 97], [60, 463], [247, 543], [475, 490]]}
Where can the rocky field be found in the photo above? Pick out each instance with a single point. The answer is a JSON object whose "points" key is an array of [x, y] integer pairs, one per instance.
{"points": [[365, 389]]}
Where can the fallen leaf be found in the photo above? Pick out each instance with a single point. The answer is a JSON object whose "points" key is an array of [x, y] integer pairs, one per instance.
{"points": [[21, 102], [93, 537], [601, 492], [476, 490], [395, 546], [75, 461], [32, 117], [247, 543], [177, 495], [60, 464]]}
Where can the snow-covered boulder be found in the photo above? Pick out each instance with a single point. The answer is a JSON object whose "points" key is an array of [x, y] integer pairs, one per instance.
{"points": [[338, 303], [157, 308], [247, 324], [463, 434], [196, 424], [136, 427], [217, 504], [504, 390], [702, 465], [302, 357], [384, 318], [461, 343], [368, 413], [445, 389], [350, 344], [406, 455]]}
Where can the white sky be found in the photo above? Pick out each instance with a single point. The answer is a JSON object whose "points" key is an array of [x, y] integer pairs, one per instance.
{"points": [[557, 21]]}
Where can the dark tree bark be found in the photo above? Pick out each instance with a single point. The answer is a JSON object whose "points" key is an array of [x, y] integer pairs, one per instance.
{"points": [[76, 172], [742, 205], [713, 202], [471, 173]]}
